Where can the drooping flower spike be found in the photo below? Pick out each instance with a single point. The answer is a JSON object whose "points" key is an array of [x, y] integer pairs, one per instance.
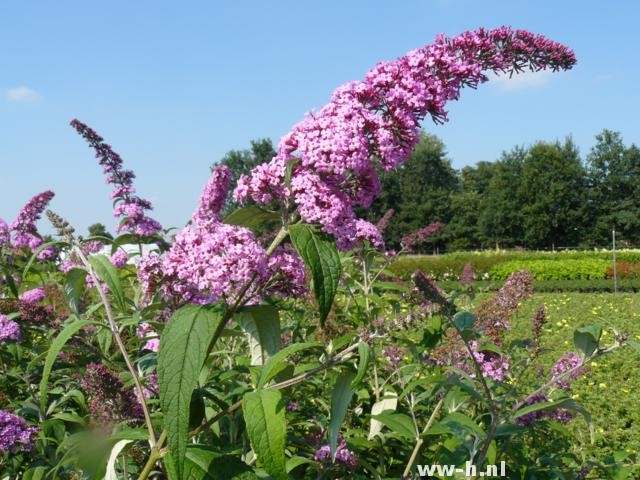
{"points": [[129, 206], [374, 124]]}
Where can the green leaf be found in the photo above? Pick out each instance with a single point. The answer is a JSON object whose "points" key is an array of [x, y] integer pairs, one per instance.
{"points": [[635, 345], [62, 338], [205, 463], [273, 366], [183, 348], [264, 416], [74, 288], [318, 250], [398, 423], [586, 339], [251, 216], [10, 282], [109, 275], [464, 320], [364, 352], [111, 473], [340, 399], [288, 171], [261, 323]]}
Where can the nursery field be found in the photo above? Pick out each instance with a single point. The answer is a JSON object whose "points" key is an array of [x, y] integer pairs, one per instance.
{"points": [[611, 389]]}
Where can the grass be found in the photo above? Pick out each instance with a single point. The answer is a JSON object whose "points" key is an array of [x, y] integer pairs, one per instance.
{"points": [[610, 390]]}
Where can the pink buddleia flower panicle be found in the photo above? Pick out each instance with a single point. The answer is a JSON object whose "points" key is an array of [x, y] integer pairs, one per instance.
{"points": [[15, 434], [467, 278], [375, 123], [119, 258], [567, 369], [9, 330], [419, 236], [4, 233], [109, 401], [26, 232], [214, 195], [384, 222], [33, 296], [210, 260], [131, 208]]}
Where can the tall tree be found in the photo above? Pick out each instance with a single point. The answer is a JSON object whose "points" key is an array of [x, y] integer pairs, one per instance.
{"points": [[500, 219], [552, 195], [98, 229], [419, 191], [614, 189]]}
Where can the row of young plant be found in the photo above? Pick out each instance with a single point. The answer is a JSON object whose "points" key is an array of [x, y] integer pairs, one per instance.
{"points": [[498, 266], [220, 354]]}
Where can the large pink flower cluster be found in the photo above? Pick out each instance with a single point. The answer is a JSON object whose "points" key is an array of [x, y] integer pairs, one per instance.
{"points": [[374, 124], [127, 205], [211, 260]]}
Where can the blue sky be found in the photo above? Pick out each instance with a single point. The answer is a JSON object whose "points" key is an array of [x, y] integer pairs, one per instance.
{"points": [[174, 85]]}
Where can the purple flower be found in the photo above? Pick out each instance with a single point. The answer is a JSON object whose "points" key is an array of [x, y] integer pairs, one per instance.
{"points": [[214, 261], [568, 362], [110, 402], [420, 236], [384, 222], [127, 205], [375, 124], [33, 296], [153, 345], [293, 407], [4, 233], [15, 434], [24, 226], [344, 456], [214, 195], [119, 258], [9, 330], [492, 364], [561, 415], [287, 272], [529, 418], [537, 322], [394, 355], [467, 276]]}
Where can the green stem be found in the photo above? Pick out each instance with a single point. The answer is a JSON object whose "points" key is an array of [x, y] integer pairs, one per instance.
{"points": [[420, 439], [116, 335]]}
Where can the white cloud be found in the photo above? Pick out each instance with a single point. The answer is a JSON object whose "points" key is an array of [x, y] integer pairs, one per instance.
{"points": [[521, 81], [21, 95]]}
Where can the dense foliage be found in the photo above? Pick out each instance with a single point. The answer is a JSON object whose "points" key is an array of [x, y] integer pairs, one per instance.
{"points": [[218, 353]]}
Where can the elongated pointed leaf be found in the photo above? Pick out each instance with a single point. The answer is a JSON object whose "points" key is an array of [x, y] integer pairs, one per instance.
{"points": [[205, 463], [74, 288], [586, 339], [62, 338], [273, 366], [109, 275], [319, 253], [183, 349], [250, 216], [261, 324], [364, 352], [340, 400], [398, 423], [264, 416], [388, 403]]}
